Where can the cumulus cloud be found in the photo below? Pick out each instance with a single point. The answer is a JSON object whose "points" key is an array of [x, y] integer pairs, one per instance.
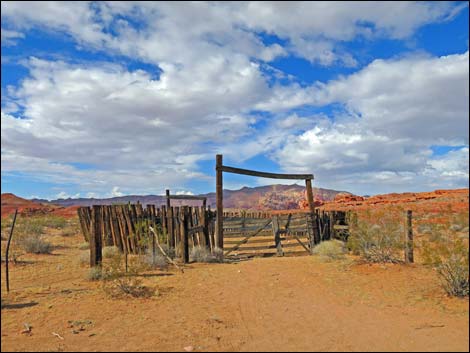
{"points": [[394, 111], [137, 131], [312, 29]]}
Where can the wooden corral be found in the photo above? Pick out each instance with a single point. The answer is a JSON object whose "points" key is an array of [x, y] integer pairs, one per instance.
{"points": [[246, 233]]}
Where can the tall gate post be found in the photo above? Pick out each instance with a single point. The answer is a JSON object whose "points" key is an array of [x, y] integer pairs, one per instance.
{"points": [[219, 202], [311, 206]]}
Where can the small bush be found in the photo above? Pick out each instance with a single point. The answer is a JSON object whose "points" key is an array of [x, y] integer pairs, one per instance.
{"points": [[378, 238], [203, 254], [110, 251], [330, 250], [35, 245], [200, 254], [84, 246], [168, 250], [218, 255], [159, 261], [68, 232], [128, 286], [95, 274], [448, 254], [84, 258]]}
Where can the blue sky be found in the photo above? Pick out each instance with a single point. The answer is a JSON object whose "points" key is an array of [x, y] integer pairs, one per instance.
{"points": [[111, 98]]}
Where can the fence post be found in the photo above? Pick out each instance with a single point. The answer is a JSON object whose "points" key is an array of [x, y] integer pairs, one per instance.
{"points": [[7, 251], [409, 258], [185, 234], [219, 202], [311, 205], [95, 237]]}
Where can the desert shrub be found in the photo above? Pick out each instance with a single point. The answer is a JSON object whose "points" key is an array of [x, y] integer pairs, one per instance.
{"points": [[84, 258], [448, 254], [35, 245], [200, 254], [95, 274], [167, 249], [379, 236], [52, 221], [218, 255], [203, 254], [84, 246], [68, 232], [158, 261], [330, 250], [110, 251], [128, 286], [29, 226], [117, 283]]}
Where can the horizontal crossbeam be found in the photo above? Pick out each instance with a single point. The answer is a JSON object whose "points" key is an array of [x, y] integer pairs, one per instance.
{"points": [[227, 169]]}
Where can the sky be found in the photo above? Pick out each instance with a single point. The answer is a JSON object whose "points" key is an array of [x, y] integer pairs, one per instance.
{"points": [[102, 99]]}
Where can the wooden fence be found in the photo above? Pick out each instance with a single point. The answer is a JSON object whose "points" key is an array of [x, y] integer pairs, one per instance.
{"points": [[127, 226], [247, 232]]}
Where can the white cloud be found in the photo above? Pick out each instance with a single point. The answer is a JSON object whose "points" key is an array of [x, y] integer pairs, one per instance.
{"points": [[395, 110], [65, 195], [137, 131], [183, 192], [312, 29], [9, 37], [115, 192]]}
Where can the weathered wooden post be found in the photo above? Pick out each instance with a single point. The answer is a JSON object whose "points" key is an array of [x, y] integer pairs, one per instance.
{"points": [[219, 202], [168, 198], [311, 206], [95, 237], [409, 258], [185, 234], [7, 277], [277, 235]]}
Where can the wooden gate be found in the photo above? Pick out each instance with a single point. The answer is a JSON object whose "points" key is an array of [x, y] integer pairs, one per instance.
{"points": [[280, 235]]}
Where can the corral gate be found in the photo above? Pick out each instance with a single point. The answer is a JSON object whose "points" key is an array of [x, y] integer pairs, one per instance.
{"points": [[249, 234], [311, 228]]}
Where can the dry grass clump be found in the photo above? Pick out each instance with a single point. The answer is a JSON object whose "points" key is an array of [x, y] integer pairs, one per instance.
{"points": [[84, 246], [35, 245], [84, 258], [95, 274], [330, 250], [203, 254], [110, 251], [158, 261]]}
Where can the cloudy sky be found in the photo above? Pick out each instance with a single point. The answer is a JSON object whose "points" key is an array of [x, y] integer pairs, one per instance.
{"points": [[110, 98]]}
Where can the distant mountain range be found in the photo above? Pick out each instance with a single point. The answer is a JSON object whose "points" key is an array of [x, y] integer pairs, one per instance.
{"points": [[261, 197]]}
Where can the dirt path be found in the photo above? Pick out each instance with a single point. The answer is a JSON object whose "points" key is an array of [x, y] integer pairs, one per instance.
{"points": [[273, 304]]}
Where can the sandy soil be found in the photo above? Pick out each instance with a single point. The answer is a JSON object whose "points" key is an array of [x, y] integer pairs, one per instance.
{"points": [[265, 304]]}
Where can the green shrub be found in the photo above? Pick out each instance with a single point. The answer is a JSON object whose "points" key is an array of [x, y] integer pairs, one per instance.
{"points": [[330, 250]]}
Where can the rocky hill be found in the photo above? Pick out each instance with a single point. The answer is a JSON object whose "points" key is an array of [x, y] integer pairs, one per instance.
{"points": [[261, 197]]}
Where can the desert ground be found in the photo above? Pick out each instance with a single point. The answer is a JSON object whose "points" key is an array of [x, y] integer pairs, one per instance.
{"points": [[264, 304], [301, 303]]}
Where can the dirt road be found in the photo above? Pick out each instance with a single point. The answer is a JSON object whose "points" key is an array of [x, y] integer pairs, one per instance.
{"points": [[273, 304]]}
